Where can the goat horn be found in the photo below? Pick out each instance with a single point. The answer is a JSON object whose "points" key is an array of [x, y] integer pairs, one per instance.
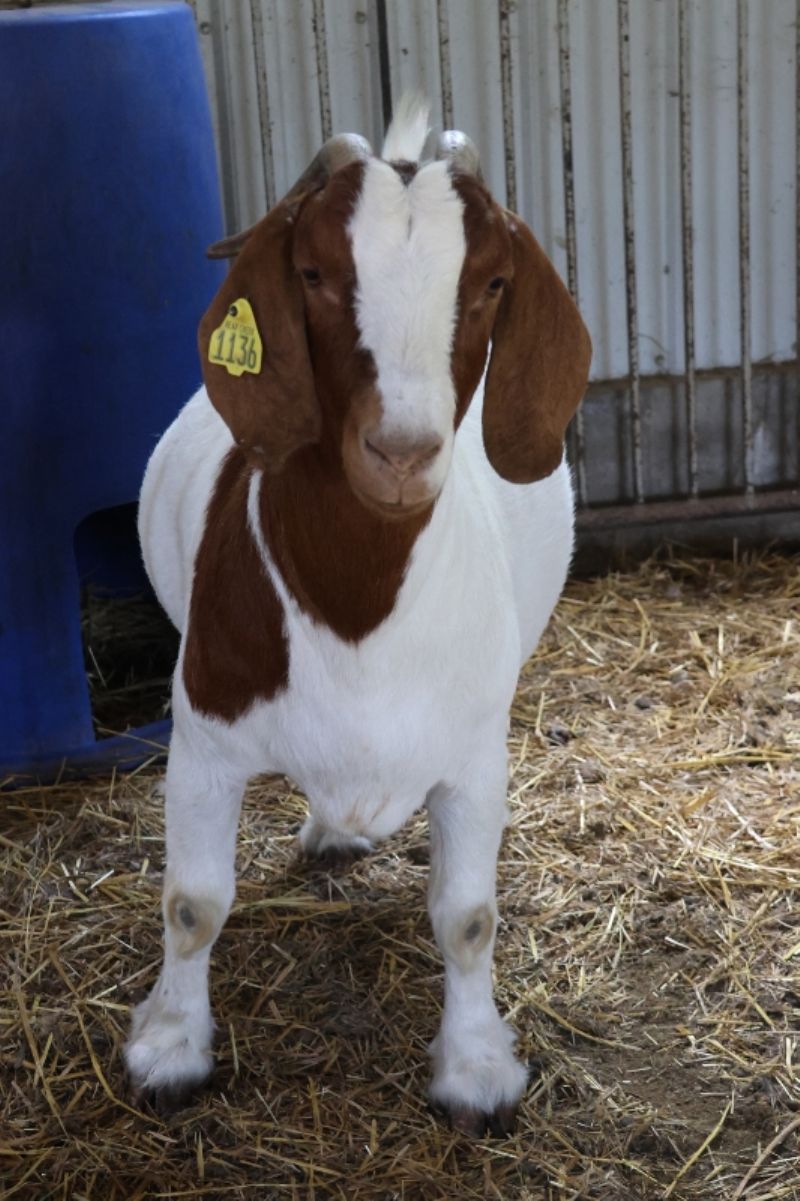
{"points": [[340, 150], [337, 152], [459, 150]]}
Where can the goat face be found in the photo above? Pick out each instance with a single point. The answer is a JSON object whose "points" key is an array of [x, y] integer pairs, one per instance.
{"points": [[387, 298], [377, 290]]}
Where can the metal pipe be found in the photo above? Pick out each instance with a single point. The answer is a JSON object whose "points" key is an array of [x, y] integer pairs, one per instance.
{"points": [[445, 71], [626, 128], [257, 25], [505, 8], [687, 238], [214, 30], [797, 206], [323, 75], [384, 63], [611, 517], [565, 92], [744, 239]]}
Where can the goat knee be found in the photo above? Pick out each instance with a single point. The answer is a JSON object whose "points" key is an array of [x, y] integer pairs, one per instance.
{"points": [[464, 935], [193, 921]]}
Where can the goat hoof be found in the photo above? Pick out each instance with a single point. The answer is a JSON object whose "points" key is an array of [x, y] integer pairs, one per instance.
{"points": [[169, 1081], [503, 1121], [167, 1099], [337, 859], [468, 1120], [167, 1056], [474, 1123], [477, 1081]]}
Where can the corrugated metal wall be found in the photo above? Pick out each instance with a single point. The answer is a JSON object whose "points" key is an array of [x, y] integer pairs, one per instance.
{"points": [[667, 127]]}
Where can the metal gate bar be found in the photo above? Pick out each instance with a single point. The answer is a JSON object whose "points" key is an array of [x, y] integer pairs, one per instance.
{"points": [[323, 74], [687, 239], [628, 440], [743, 158], [578, 443], [626, 129], [265, 125], [655, 512], [797, 196], [507, 96], [445, 72], [384, 67]]}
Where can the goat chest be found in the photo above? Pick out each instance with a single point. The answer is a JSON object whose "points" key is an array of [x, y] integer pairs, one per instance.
{"points": [[367, 728]]}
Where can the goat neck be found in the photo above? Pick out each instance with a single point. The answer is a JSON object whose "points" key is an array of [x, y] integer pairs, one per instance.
{"points": [[342, 563]]}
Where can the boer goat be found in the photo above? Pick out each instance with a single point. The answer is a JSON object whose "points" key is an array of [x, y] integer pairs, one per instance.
{"points": [[361, 528]]}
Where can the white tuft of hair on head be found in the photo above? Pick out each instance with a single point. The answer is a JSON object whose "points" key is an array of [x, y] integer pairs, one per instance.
{"points": [[409, 129]]}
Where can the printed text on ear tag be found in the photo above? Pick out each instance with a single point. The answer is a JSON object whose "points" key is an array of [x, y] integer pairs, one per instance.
{"points": [[236, 344]]}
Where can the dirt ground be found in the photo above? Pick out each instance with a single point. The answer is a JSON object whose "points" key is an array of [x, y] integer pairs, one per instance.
{"points": [[648, 955]]}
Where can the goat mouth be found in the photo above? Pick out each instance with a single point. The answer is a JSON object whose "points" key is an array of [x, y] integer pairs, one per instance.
{"points": [[397, 511]]}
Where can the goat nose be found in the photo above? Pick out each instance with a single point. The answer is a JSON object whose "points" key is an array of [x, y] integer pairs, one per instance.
{"points": [[402, 455]]}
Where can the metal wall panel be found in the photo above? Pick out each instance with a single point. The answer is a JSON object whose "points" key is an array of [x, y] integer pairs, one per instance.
{"points": [[650, 144], [495, 45]]}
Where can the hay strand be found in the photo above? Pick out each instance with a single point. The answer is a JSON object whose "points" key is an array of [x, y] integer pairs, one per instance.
{"points": [[753, 1171]]}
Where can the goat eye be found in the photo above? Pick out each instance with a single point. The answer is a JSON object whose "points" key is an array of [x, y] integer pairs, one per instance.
{"points": [[496, 284], [311, 276]]}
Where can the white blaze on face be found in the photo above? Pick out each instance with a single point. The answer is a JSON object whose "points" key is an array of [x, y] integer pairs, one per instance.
{"points": [[408, 247]]}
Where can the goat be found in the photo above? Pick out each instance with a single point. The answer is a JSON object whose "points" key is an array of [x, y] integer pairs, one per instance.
{"points": [[359, 560]]}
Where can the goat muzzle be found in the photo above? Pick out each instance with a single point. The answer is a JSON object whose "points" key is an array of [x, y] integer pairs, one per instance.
{"points": [[394, 475], [401, 457]]}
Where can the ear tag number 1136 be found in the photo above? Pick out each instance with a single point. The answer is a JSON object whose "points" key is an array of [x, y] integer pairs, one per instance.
{"points": [[236, 344]]}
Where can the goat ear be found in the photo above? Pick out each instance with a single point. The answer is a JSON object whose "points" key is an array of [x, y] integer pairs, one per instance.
{"points": [[271, 412], [539, 366]]}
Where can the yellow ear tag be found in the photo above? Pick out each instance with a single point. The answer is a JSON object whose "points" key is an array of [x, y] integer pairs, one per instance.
{"points": [[236, 344]]}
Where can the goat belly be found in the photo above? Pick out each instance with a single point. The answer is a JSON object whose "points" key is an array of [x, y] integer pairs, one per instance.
{"points": [[366, 767]]}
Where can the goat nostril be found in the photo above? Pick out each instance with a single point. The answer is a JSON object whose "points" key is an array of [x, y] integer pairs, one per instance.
{"points": [[404, 458], [375, 450], [428, 452]]}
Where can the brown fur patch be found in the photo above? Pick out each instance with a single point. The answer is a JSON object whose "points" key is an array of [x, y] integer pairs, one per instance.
{"points": [[275, 412], [236, 650], [343, 563], [541, 349], [405, 169], [539, 367], [272, 413], [488, 256]]}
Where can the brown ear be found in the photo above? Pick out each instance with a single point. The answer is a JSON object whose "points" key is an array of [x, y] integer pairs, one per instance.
{"points": [[274, 412], [539, 367]]}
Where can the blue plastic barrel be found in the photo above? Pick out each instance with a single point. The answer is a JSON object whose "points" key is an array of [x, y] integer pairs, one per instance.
{"points": [[108, 197]]}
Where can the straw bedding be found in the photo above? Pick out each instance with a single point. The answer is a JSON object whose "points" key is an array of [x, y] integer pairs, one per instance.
{"points": [[649, 953]]}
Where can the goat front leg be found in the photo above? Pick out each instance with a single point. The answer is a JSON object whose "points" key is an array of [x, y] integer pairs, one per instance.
{"points": [[169, 1050], [476, 1078]]}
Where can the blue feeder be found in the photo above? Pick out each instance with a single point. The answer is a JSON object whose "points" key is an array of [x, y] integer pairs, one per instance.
{"points": [[109, 197]]}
